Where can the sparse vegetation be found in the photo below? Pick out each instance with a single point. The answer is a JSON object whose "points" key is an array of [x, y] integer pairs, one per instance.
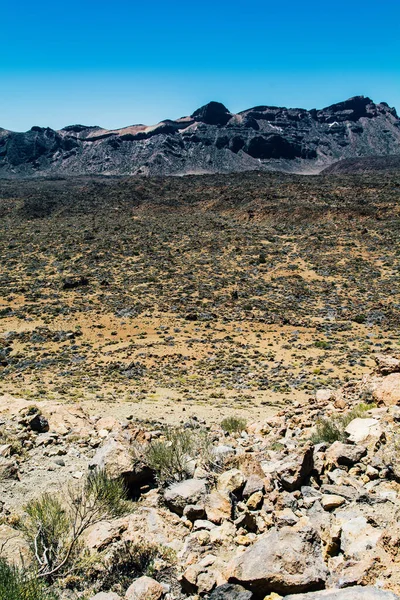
{"points": [[133, 559], [54, 525], [332, 429], [17, 583], [170, 457], [233, 424]]}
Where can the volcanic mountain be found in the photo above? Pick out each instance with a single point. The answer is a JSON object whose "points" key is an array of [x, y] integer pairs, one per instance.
{"points": [[211, 140]]}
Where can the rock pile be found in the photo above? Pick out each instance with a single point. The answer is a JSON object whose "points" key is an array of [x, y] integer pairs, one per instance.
{"points": [[290, 506]]}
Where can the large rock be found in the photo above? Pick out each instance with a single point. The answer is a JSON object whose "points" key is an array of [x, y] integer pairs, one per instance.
{"points": [[179, 495], [8, 469], [360, 430], [292, 472], [282, 561], [218, 507], [386, 390], [145, 588], [339, 454], [357, 536], [387, 364], [254, 484], [357, 592], [231, 591], [231, 481], [116, 459]]}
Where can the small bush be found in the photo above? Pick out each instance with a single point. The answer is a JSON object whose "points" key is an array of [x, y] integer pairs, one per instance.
{"points": [[233, 424], [20, 584], [360, 319], [53, 527], [170, 458], [332, 429], [130, 560], [328, 430]]}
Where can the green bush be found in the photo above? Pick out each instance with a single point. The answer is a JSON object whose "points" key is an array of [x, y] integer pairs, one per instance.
{"points": [[233, 424], [332, 429], [130, 560], [20, 584], [170, 458], [328, 430], [54, 526]]}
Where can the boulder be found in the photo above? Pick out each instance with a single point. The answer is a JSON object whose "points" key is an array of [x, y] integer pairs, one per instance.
{"points": [[145, 588], [231, 481], [357, 592], [39, 423], [194, 512], [323, 395], [386, 390], [218, 507], [179, 495], [282, 561], [231, 591], [222, 452], [357, 536], [331, 501], [292, 472], [360, 430], [339, 454], [254, 484], [116, 459], [387, 364], [8, 469], [255, 501]]}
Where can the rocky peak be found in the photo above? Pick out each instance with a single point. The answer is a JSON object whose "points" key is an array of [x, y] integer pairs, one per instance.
{"points": [[213, 113]]}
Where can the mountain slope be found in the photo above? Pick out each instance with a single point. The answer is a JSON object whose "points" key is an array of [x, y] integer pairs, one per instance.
{"points": [[210, 140], [364, 164]]}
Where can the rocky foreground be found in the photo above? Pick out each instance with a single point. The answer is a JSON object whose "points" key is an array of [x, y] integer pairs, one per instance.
{"points": [[211, 140], [302, 505]]}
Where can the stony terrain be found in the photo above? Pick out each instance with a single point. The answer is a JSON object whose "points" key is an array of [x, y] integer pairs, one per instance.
{"points": [[218, 293], [211, 140], [304, 500], [365, 164], [226, 345]]}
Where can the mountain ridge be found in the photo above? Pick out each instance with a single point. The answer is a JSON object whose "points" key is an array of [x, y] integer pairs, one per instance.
{"points": [[210, 140]]}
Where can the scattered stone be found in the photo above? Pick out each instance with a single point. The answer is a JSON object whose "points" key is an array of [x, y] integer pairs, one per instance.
{"points": [[39, 423], [231, 481], [331, 501], [231, 591], [339, 454], [360, 430], [179, 495], [283, 561], [145, 588]]}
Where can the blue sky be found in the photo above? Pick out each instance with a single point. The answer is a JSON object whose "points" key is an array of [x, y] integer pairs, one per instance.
{"points": [[120, 62]]}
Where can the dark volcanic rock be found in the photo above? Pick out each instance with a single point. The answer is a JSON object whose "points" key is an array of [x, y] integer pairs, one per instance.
{"points": [[231, 591], [71, 283], [211, 140], [213, 113], [39, 423]]}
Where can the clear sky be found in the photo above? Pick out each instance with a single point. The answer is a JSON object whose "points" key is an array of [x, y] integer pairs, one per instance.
{"points": [[120, 62]]}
